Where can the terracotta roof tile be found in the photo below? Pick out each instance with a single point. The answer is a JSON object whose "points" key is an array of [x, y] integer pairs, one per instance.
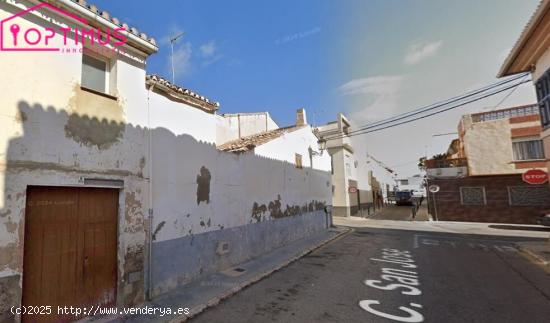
{"points": [[250, 142], [93, 8], [183, 94]]}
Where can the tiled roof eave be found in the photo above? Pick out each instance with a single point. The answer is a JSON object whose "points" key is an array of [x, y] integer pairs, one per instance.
{"points": [[182, 94]]}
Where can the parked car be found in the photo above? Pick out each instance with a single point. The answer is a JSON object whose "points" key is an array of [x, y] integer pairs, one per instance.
{"points": [[544, 220], [403, 198]]}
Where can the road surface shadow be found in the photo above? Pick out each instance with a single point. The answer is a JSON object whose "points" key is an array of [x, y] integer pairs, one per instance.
{"points": [[518, 227]]}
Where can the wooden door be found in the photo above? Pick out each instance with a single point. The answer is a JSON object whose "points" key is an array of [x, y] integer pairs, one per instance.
{"points": [[70, 249]]}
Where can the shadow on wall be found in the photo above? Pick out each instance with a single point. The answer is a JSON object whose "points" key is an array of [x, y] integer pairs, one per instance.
{"points": [[196, 189]]}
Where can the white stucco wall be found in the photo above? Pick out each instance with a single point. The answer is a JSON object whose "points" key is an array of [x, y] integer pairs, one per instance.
{"points": [[230, 126], [285, 147], [181, 118], [55, 134]]}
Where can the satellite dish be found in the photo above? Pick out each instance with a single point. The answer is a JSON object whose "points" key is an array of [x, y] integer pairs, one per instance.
{"points": [[434, 188]]}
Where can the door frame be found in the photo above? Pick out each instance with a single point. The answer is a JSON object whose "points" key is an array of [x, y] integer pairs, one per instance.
{"points": [[119, 228]]}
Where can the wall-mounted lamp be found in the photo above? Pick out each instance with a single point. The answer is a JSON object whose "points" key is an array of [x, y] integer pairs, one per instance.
{"points": [[322, 145]]}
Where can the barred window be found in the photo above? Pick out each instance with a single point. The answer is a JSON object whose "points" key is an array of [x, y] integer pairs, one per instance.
{"points": [[529, 195], [472, 195], [528, 149]]}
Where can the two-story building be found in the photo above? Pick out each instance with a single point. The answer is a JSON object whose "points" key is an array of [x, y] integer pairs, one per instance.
{"points": [[360, 182], [531, 53], [480, 175]]}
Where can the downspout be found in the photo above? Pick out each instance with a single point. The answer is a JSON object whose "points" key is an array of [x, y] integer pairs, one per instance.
{"points": [[149, 293]]}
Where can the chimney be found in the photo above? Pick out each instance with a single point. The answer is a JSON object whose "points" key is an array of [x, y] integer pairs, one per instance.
{"points": [[301, 117]]}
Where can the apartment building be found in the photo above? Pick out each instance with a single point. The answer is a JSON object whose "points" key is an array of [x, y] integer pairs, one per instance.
{"points": [[480, 177]]}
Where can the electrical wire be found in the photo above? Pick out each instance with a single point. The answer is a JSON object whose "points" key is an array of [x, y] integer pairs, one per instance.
{"points": [[507, 96], [433, 106], [367, 130]]}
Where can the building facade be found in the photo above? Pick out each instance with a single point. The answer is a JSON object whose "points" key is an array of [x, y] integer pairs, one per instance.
{"points": [[480, 177], [360, 182], [113, 187], [531, 54]]}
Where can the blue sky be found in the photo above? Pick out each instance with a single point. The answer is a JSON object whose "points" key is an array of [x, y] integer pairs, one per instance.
{"points": [[249, 55], [370, 59]]}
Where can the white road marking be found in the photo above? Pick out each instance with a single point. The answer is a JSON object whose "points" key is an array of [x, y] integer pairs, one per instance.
{"points": [[401, 279], [473, 243]]}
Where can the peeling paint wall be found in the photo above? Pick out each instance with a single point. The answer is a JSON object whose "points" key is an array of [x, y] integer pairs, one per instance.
{"points": [[53, 133], [248, 194]]}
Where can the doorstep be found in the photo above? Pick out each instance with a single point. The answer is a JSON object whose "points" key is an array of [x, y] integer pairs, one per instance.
{"points": [[208, 291]]}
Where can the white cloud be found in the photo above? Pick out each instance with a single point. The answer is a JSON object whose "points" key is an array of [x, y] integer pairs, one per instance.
{"points": [[420, 51], [182, 59], [208, 49], [384, 91]]}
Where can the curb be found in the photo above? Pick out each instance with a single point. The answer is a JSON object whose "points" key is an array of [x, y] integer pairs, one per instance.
{"points": [[194, 311], [533, 255]]}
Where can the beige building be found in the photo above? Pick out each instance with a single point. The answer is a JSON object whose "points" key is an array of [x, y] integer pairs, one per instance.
{"points": [[504, 141], [531, 53]]}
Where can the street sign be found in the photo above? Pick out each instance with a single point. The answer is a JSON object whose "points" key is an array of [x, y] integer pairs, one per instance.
{"points": [[352, 189], [535, 176], [433, 188]]}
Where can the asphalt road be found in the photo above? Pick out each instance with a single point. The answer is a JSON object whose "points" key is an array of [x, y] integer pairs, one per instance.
{"points": [[436, 277], [400, 213]]}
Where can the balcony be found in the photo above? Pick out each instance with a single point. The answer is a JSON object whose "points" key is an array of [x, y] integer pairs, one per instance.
{"points": [[446, 168]]}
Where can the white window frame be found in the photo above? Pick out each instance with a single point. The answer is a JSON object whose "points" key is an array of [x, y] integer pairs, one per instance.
{"points": [[525, 139], [109, 64]]}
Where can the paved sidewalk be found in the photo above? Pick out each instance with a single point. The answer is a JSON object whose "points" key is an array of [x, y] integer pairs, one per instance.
{"points": [[497, 229], [210, 290]]}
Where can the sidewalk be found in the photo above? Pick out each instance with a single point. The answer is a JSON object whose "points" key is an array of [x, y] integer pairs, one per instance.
{"points": [[210, 290], [497, 229]]}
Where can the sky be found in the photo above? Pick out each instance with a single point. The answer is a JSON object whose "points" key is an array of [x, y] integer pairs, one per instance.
{"points": [[370, 59]]}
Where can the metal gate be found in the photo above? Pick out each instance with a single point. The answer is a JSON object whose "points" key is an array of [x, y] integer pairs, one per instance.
{"points": [[70, 252]]}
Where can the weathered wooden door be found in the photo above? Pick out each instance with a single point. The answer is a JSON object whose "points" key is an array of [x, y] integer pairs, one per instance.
{"points": [[70, 252]]}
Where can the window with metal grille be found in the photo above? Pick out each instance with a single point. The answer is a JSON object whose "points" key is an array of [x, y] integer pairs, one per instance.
{"points": [[472, 195], [529, 195], [528, 149], [543, 95]]}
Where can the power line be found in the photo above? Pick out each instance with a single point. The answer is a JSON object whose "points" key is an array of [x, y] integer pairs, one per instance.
{"points": [[432, 106], [507, 95], [364, 131]]}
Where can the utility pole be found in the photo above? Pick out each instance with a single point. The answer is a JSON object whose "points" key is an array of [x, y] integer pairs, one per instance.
{"points": [[172, 41]]}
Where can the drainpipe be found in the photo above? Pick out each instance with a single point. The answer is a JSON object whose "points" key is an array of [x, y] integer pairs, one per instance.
{"points": [[149, 292]]}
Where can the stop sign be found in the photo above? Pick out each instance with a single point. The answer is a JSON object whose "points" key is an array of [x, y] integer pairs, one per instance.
{"points": [[535, 176]]}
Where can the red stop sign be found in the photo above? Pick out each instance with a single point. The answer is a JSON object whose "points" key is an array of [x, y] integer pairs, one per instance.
{"points": [[535, 176]]}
